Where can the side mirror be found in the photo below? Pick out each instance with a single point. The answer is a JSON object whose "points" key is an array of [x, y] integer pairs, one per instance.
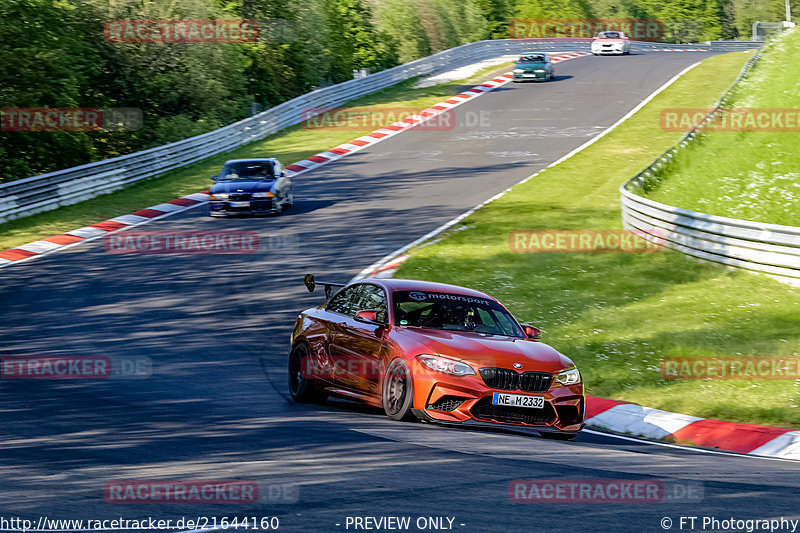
{"points": [[214, 178], [369, 316], [531, 332], [310, 283]]}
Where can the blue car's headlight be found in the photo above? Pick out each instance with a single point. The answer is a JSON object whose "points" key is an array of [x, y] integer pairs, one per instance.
{"points": [[262, 195], [219, 196]]}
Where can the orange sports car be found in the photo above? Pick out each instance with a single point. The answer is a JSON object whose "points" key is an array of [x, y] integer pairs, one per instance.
{"points": [[437, 352]]}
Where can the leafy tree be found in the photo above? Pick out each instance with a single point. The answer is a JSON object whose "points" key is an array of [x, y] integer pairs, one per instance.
{"points": [[459, 22], [553, 9], [353, 42], [401, 21], [47, 59], [746, 12]]}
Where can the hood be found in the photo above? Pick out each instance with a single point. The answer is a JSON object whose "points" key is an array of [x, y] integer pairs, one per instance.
{"points": [[488, 350], [609, 41], [244, 185]]}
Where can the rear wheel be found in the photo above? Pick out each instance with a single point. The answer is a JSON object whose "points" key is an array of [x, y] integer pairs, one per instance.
{"points": [[397, 391], [301, 386]]}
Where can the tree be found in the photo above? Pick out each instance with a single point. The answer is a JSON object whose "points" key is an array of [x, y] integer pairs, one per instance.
{"points": [[400, 21], [353, 42], [498, 15]]}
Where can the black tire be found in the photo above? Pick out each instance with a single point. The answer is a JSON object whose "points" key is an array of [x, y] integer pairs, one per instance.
{"points": [[397, 391], [301, 388], [558, 436]]}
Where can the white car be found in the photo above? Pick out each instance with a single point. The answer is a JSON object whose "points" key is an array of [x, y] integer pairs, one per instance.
{"points": [[611, 43]]}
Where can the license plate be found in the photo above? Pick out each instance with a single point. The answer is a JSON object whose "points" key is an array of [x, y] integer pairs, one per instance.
{"points": [[529, 75], [240, 204], [518, 400]]}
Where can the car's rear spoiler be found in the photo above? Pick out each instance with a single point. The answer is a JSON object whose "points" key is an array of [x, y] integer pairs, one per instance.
{"points": [[311, 284]]}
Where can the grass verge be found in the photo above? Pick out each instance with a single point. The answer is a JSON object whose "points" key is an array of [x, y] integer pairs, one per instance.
{"points": [[753, 175], [618, 314], [289, 145]]}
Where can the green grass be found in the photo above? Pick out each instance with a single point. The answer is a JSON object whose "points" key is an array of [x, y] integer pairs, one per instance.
{"points": [[289, 145], [617, 314], [749, 175]]}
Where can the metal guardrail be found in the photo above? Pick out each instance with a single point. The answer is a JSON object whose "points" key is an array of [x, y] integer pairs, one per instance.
{"points": [[773, 249], [55, 189]]}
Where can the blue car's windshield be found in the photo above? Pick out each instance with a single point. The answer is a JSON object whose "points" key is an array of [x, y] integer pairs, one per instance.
{"points": [[261, 170]]}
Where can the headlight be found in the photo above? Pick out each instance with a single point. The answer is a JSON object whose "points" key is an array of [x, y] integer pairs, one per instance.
{"points": [[569, 377], [518, 71], [446, 365], [541, 71], [219, 196], [262, 195]]}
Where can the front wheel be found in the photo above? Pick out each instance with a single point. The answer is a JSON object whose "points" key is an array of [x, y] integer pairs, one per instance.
{"points": [[397, 391], [301, 386]]}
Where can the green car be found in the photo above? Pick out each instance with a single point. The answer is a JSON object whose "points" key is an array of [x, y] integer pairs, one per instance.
{"points": [[533, 67]]}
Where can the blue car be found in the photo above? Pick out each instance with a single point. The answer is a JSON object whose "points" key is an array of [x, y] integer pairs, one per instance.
{"points": [[250, 187]]}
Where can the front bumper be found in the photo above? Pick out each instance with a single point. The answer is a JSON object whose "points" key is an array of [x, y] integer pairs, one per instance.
{"points": [[468, 400], [537, 76], [264, 206], [608, 51]]}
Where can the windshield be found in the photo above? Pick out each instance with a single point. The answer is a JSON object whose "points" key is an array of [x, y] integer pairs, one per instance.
{"points": [[610, 35], [453, 312], [258, 170], [532, 59]]}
